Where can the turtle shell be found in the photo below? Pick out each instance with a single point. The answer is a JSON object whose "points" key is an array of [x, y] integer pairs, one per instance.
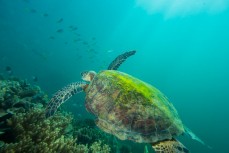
{"points": [[131, 109]]}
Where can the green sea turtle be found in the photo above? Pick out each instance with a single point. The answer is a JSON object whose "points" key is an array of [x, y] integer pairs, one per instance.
{"points": [[128, 108]]}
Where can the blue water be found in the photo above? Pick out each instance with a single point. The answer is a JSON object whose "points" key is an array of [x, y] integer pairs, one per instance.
{"points": [[182, 49]]}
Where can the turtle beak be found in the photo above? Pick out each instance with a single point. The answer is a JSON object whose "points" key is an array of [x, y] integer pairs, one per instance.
{"points": [[85, 76]]}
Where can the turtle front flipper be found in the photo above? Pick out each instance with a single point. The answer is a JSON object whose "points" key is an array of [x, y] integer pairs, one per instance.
{"points": [[63, 95], [120, 59], [169, 146]]}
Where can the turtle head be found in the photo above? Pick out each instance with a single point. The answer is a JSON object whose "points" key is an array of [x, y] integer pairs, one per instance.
{"points": [[88, 75]]}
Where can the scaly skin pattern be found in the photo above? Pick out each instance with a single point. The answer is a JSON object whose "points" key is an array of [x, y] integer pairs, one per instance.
{"points": [[131, 109]]}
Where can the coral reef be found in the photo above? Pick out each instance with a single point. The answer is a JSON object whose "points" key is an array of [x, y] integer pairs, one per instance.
{"points": [[17, 96], [34, 133]]}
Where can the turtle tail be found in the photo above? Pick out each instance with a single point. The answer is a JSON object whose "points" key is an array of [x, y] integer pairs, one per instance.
{"points": [[62, 96]]}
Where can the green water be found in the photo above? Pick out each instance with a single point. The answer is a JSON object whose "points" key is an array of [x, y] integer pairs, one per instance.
{"points": [[182, 49]]}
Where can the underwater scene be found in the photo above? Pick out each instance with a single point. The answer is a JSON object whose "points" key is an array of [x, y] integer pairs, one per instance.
{"points": [[99, 76]]}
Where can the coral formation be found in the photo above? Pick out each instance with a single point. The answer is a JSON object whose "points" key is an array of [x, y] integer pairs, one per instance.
{"points": [[87, 132], [34, 133], [96, 147], [17, 96]]}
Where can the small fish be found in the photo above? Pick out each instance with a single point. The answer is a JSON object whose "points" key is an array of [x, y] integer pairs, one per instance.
{"points": [[60, 20], [45, 15], [77, 34], [52, 37], [8, 69], [35, 79], [74, 28], [85, 43], [60, 30], [33, 11]]}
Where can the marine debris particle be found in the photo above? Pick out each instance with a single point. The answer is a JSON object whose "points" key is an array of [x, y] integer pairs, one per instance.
{"points": [[110, 51], [35, 78]]}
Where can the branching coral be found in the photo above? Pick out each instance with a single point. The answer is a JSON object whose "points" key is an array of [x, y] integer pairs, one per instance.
{"points": [[34, 133], [97, 147]]}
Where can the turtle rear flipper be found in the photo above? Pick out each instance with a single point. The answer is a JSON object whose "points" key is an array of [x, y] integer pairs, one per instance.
{"points": [[63, 95], [119, 60], [169, 146]]}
